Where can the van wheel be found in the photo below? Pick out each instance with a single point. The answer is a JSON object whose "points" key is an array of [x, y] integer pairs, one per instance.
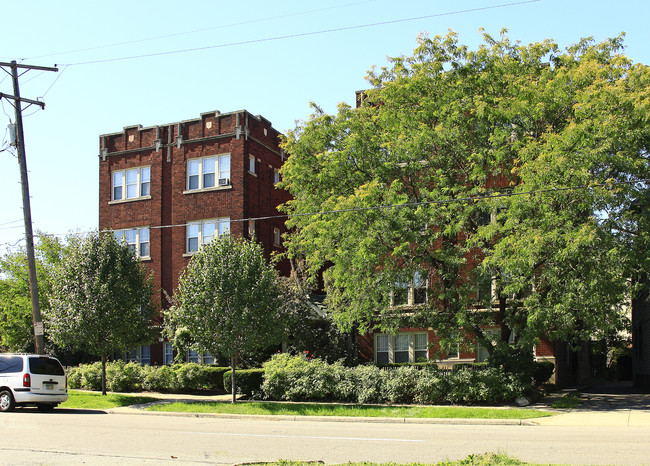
{"points": [[6, 401], [45, 407]]}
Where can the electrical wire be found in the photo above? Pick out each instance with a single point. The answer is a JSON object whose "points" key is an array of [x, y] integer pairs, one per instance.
{"points": [[468, 199], [223, 26], [304, 34]]}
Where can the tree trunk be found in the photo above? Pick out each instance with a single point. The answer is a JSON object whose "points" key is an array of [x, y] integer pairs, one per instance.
{"points": [[103, 374], [233, 361]]}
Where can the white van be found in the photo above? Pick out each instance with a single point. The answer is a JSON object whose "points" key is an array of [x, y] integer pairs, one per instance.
{"points": [[31, 380]]}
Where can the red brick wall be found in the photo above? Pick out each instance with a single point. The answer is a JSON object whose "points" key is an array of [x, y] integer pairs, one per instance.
{"points": [[249, 196]]}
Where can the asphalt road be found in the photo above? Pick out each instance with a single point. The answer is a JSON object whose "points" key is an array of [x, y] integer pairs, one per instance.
{"points": [[74, 437]]}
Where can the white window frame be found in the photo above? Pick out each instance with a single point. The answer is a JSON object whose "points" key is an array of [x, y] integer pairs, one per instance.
{"points": [[140, 354], [396, 345], [220, 226], [252, 162], [411, 289], [201, 169], [136, 238], [168, 353], [120, 183], [198, 358]]}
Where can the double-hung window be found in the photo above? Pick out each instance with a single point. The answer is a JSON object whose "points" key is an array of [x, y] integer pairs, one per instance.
{"points": [[202, 232], [208, 172], [411, 291], [132, 183], [137, 239], [400, 348]]}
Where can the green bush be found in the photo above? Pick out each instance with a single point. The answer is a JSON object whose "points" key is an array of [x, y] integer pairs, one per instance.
{"points": [[247, 381], [160, 379], [432, 387], [369, 384], [123, 377], [399, 384], [299, 379], [214, 377], [91, 376], [191, 376], [74, 377]]}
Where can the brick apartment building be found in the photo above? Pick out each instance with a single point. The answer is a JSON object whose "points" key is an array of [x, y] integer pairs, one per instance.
{"points": [[167, 189]]}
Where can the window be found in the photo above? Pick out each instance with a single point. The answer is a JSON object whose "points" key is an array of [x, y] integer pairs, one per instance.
{"points": [[382, 349], [277, 240], [202, 232], [411, 291], [208, 172], [251, 163], [276, 176], [251, 228], [194, 356], [137, 239], [403, 347], [140, 355], [168, 353], [132, 183]]}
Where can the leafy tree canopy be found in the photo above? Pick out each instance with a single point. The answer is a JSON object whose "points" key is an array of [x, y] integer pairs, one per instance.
{"points": [[228, 300], [511, 163], [16, 321], [101, 300]]}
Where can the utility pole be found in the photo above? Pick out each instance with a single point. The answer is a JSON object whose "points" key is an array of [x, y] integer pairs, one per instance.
{"points": [[27, 212]]}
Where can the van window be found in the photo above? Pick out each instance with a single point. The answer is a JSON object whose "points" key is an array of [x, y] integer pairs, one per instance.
{"points": [[11, 364], [45, 366]]}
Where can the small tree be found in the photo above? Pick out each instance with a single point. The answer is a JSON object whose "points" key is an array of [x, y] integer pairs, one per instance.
{"points": [[229, 301], [16, 321], [101, 298]]}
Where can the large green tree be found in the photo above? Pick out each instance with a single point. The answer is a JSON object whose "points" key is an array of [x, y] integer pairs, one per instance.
{"points": [[101, 298], [16, 321], [509, 163], [229, 301]]}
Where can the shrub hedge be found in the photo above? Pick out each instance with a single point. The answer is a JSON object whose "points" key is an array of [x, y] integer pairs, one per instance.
{"points": [[297, 378], [131, 377]]}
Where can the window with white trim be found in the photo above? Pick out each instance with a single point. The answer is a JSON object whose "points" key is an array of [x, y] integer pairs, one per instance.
{"points": [[251, 163], [194, 356], [400, 348], [276, 176], [208, 172], [202, 232], [131, 183], [168, 353], [137, 239], [140, 355], [411, 291]]}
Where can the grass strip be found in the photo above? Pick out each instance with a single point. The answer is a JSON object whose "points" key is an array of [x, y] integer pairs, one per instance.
{"points": [[95, 400], [314, 409]]}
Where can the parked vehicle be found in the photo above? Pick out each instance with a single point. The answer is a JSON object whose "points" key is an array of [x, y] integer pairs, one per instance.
{"points": [[31, 380]]}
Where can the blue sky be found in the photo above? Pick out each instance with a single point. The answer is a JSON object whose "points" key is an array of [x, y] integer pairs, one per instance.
{"points": [[240, 62]]}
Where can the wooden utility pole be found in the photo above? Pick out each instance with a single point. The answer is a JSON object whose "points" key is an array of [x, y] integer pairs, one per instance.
{"points": [[27, 212]]}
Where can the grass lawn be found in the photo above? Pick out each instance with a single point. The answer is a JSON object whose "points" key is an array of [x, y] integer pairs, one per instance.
{"points": [[95, 400], [313, 409]]}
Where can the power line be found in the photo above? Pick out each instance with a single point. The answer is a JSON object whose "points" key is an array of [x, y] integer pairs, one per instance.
{"points": [[223, 26], [304, 34], [467, 199]]}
